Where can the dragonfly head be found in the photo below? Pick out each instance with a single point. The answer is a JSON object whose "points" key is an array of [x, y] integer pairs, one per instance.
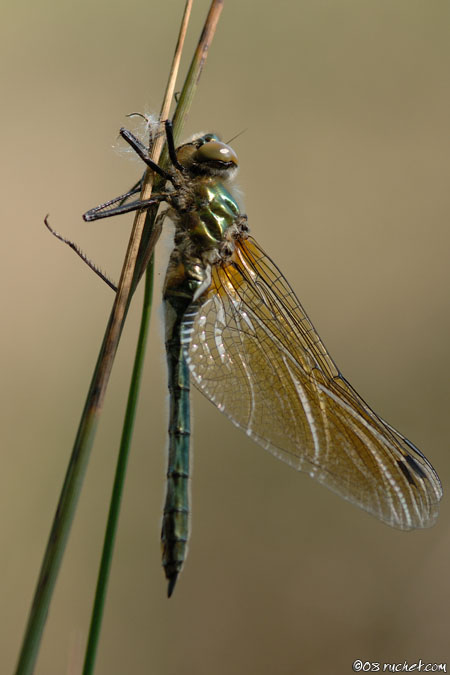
{"points": [[208, 156]]}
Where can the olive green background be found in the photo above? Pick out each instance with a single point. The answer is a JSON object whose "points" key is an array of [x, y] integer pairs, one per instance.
{"points": [[345, 166]]}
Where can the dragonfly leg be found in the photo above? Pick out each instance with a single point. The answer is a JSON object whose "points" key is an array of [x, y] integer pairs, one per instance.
{"points": [[171, 146], [82, 255], [137, 187], [97, 212], [143, 153]]}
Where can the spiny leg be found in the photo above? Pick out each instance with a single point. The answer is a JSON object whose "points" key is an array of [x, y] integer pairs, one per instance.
{"points": [[82, 255], [121, 199], [157, 227], [143, 153], [102, 211], [137, 187], [171, 146], [97, 212]]}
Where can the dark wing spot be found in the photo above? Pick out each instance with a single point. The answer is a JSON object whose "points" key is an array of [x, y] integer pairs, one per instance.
{"points": [[416, 467], [405, 471]]}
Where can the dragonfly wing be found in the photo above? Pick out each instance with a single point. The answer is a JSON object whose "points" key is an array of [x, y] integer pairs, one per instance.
{"points": [[254, 353]]}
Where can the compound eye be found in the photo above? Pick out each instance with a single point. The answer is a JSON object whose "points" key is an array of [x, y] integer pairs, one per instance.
{"points": [[216, 151]]}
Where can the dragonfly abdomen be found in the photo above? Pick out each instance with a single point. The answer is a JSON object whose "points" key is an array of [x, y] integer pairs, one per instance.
{"points": [[175, 526]]}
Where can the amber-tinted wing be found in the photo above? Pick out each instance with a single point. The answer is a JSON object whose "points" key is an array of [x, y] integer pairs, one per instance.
{"points": [[254, 353]]}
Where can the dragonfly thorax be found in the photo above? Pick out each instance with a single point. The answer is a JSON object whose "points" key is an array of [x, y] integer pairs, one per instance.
{"points": [[207, 218], [202, 208]]}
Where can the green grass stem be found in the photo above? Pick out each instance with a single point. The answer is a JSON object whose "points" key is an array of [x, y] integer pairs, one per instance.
{"points": [[119, 479]]}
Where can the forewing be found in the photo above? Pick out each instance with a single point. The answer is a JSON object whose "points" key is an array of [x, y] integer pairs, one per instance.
{"points": [[254, 353]]}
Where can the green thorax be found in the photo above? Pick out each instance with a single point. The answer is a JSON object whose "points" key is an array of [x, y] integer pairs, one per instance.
{"points": [[214, 212]]}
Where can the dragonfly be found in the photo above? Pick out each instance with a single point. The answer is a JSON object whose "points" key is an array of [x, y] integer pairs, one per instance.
{"points": [[235, 329]]}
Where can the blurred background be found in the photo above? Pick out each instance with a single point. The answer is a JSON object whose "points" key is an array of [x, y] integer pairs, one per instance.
{"points": [[345, 165]]}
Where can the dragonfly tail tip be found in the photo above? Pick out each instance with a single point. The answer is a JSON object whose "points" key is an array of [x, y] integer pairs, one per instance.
{"points": [[171, 585]]}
